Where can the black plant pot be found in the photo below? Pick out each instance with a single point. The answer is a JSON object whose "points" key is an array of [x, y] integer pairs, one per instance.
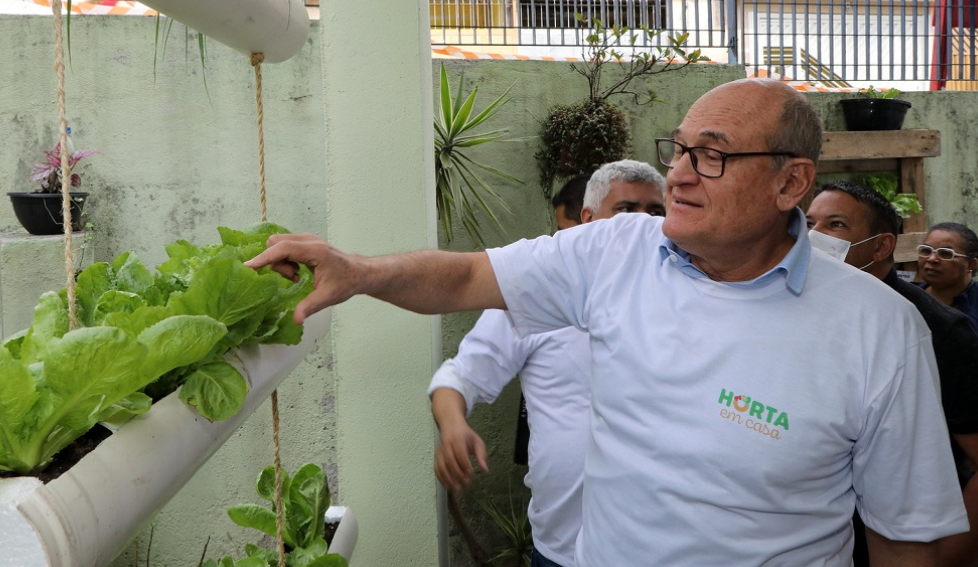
{"points": [[40, 213], [874, 113]]}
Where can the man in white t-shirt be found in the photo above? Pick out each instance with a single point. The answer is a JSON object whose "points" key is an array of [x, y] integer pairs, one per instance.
{"points": [[747, 392], [555, 372]]}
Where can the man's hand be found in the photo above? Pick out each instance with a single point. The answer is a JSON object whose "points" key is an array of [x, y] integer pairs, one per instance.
{"points": [[335, 274], [458, 442], [427, 282]]}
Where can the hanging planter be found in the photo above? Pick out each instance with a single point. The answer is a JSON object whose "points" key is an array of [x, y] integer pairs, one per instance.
{"points": [[41, 214], [277, 28], [88, 515]]}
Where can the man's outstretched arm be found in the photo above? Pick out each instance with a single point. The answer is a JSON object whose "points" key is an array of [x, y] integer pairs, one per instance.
{"points": [[429, 281]]}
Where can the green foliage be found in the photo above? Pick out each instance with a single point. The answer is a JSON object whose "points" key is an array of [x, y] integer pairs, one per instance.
{"points": [[305, 498], [515, 525], [140, 333], [616, 43], [887, 185], [459, 191], [884, 93], [579, 138]]}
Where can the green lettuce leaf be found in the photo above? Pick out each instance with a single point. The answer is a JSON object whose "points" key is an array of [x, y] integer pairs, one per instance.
{"points": [[217, 390]]}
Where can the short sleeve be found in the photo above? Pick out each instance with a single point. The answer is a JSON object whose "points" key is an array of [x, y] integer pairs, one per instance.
{"points": [[546, 281], [903, 471]]}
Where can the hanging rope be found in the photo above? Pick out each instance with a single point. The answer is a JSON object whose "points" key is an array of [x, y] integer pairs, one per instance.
{"points": [[59, 68], [256, 61]]}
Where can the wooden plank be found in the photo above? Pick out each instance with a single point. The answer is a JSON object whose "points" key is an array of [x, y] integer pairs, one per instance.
{"points": [[906, 246], [860, 166], [880, 144], [912, 181]]}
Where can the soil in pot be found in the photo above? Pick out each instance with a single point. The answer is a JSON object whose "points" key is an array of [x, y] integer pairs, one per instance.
{"points": [[863, 114], [70, 455], [40, 213]]}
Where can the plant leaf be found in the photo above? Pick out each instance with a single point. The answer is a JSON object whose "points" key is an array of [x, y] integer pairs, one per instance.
{"points": [[216, 390]]}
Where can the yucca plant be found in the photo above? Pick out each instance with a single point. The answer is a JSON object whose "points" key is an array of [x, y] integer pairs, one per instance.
{"points": [[459, 191], [515, 525]]}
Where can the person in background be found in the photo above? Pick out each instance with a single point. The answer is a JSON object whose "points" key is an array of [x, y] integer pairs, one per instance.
{"points": [[739, 408], [555, 372], [568, 201], [567, 204], [948, 258], [867, 226]]}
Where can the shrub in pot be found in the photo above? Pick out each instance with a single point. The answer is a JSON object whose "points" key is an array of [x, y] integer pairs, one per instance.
{"points": [[579, 138]]}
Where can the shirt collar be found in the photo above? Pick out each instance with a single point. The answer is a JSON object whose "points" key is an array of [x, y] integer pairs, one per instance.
{"points": [[793, 267]]}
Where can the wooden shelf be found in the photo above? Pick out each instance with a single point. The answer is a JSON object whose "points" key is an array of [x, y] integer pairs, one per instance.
{"points": [[899, 151], [881, 144]]}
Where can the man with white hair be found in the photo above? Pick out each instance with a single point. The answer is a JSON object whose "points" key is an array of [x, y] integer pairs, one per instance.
{"points": [[555, 372], [739, 410]]}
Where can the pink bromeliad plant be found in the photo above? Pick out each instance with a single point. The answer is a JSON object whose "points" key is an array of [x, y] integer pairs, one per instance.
{"points": [[48, 172]]}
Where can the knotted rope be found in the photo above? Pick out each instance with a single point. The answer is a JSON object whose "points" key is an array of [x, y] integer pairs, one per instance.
{"points": [[256, 61], [59, 68]]}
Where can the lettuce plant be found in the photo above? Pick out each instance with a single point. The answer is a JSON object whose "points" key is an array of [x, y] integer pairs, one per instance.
{"points": [[141, 334], [305, 498]]}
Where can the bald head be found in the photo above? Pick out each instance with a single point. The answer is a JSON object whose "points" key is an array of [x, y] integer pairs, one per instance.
{"points": [[791, 124]]}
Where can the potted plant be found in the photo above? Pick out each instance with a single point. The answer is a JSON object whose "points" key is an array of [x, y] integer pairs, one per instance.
{"points": [[578, 138], [875, 110], [40, 210]]}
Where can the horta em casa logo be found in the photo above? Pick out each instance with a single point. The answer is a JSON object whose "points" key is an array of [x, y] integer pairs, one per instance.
{"points": [[753, 414]]}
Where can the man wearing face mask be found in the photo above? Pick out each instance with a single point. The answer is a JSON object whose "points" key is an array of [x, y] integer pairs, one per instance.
{"points": [[857, 225]]}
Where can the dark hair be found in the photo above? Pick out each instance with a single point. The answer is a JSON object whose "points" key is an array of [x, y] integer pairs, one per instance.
{"points": [[799, 131], [571, 196], [966, 234], [883, 218]]}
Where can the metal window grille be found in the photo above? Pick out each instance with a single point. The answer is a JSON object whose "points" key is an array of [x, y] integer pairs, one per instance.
{"points": [[927, 43]]}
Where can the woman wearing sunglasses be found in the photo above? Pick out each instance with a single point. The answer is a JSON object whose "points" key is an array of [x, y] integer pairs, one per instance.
{"points": [[947, 262]]}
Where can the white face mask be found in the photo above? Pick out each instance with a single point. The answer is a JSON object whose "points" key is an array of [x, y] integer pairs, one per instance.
{"points": [[835, 247]]}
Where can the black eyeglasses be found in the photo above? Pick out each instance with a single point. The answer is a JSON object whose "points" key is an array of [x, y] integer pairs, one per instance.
{"points": [[708, 162], [925, 251]]}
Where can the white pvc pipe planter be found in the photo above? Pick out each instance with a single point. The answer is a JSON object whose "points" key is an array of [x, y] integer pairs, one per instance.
{"points": [[89, 514], [277, 28]]}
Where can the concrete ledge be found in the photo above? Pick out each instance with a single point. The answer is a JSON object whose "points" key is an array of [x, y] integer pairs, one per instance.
{"points": [[31, 265]]}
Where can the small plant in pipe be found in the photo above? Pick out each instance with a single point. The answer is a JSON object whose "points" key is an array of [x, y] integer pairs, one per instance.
{"points": [[305, 498], [140, 337], [579, 138], [459, 191], [47, 173]]}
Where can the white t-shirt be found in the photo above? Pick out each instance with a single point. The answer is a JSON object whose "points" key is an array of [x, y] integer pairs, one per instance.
{"points": [[555, 370], [738, 424]]}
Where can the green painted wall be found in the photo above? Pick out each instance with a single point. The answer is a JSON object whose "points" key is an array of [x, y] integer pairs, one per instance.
{"points": [[348, 156]]}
